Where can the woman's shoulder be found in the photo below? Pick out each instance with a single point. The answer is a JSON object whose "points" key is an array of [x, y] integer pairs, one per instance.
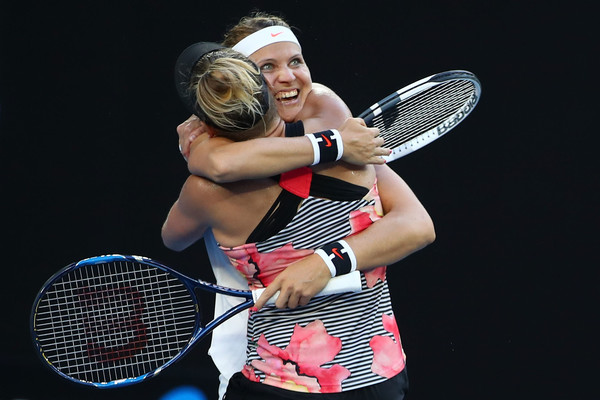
{"points": [[322, 93], [200, 191], [325, 108]]}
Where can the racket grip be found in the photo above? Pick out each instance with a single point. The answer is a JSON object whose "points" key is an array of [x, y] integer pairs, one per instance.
{"points": [[340, 284]]}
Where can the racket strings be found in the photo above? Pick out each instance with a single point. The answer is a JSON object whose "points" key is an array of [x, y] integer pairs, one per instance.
{"points": [[424, 112], [112, 321]]}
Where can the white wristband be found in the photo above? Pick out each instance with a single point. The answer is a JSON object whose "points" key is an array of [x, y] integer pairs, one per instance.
{"points": [[327, 146], [350, 253], [327, 260], [340, 143], [339, 257], [316, 151]]}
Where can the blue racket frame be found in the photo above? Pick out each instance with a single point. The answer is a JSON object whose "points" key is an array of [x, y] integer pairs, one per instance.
{"points": [[190, 284]]}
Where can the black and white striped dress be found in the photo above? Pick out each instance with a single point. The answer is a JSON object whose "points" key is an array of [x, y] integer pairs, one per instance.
{"points": [[328, 345]]}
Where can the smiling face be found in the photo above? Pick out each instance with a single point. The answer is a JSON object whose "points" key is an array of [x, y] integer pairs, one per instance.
{"points": [[287, 75]]}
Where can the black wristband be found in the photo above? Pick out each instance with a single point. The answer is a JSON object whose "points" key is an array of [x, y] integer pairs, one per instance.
{"points": [[327, 146], [339, 257]]}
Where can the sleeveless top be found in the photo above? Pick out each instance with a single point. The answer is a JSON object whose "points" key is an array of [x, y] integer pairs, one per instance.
{"points": [[228, 340], [335, 343]]}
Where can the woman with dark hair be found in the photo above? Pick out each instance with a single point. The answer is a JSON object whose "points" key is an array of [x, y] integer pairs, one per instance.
{"points": [[344, 344]]}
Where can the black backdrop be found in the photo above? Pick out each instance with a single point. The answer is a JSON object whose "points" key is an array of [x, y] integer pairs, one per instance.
{"points": [[500, 306]]}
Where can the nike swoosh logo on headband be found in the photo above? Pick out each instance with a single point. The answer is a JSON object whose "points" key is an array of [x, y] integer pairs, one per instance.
{"points": [[276, 34]]}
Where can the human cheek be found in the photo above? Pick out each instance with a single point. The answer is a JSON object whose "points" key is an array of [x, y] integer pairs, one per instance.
{"points": [[303, 75], [306, 86], [270, 81]]}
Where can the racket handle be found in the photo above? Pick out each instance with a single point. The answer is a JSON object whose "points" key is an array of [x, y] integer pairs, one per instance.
{"points": [[340, 284]]}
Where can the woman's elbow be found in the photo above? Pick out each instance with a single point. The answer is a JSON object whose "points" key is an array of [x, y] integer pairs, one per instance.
{"points": [[426, 230], [171, 241], [171, 245], [214, 168], [430, 233]]}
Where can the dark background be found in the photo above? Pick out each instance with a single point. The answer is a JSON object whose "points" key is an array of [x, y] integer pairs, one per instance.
{"points": [[501, 306]]}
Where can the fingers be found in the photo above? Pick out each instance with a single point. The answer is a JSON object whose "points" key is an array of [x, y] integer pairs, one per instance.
{"points": [[191, 120], [292, 301], [289, 298], [298, 283], [360, 121], [295, 300], [183, 131], [383, 151], [265, 296], [283, 299], [188, 131], [352, 120], [379, 150], [184, 149]]}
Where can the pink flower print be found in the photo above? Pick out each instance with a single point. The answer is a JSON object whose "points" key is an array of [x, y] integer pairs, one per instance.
{"points": [[240, 258], [272, 263], [298, 367], [362, 218], [365, 216], [285, 375], [374, 275], [248, 372], [388, 356], [260, 269]]}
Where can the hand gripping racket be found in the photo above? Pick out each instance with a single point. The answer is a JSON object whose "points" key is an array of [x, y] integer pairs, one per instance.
{"points": [[116, 320], [418, 114]]}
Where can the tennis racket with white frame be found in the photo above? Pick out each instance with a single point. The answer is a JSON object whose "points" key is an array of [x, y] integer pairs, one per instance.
{"points": [[424, 111], [116, 320]]}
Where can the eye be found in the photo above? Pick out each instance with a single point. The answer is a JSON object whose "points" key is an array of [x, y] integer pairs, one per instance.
{"points": [[266, 67], [296, 61]]}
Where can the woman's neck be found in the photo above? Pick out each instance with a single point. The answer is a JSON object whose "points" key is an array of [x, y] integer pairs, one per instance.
{"points": [[277, 128]]}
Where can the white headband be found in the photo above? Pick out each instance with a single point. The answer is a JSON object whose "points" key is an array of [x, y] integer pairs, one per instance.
{"points": [[265, 37]]}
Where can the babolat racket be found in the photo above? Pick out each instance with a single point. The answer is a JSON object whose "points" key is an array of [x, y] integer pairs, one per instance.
{"points": [[418, 114], [116, 320]]}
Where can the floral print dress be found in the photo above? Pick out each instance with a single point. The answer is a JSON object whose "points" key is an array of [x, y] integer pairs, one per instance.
{"points": [[335, 343]]}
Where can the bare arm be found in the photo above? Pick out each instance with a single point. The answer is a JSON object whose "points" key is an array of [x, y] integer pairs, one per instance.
{"points": [[222, 160], [186, 222], [405, 216]]}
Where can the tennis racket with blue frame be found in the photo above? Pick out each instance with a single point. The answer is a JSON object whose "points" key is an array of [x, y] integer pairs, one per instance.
{"points": [[116, 320]]}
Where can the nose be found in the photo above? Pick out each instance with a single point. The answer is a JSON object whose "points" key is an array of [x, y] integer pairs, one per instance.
{"points": [[286, 74]]}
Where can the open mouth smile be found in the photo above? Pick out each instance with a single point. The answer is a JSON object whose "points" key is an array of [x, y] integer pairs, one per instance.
{"points": [[285, 96]]}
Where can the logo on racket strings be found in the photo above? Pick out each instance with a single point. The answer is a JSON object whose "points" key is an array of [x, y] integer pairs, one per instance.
{"points": [[456, 118], [112, 319]]}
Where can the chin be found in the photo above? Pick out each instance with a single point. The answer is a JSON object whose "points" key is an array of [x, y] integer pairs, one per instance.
{"points": [[290, 110], [288, 114]]}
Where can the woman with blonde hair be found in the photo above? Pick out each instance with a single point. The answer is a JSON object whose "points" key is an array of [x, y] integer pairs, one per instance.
{"points": [[270, 230]]}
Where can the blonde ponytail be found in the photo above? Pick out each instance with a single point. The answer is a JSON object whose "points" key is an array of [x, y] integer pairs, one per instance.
{"points": [[228, 92]]}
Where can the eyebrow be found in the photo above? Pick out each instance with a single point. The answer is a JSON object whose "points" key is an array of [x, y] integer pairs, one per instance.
{"points": [[273, 60]]}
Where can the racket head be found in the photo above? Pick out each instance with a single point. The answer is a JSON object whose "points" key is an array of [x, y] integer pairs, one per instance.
{"points": [[114, 320], [423, 111]]}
